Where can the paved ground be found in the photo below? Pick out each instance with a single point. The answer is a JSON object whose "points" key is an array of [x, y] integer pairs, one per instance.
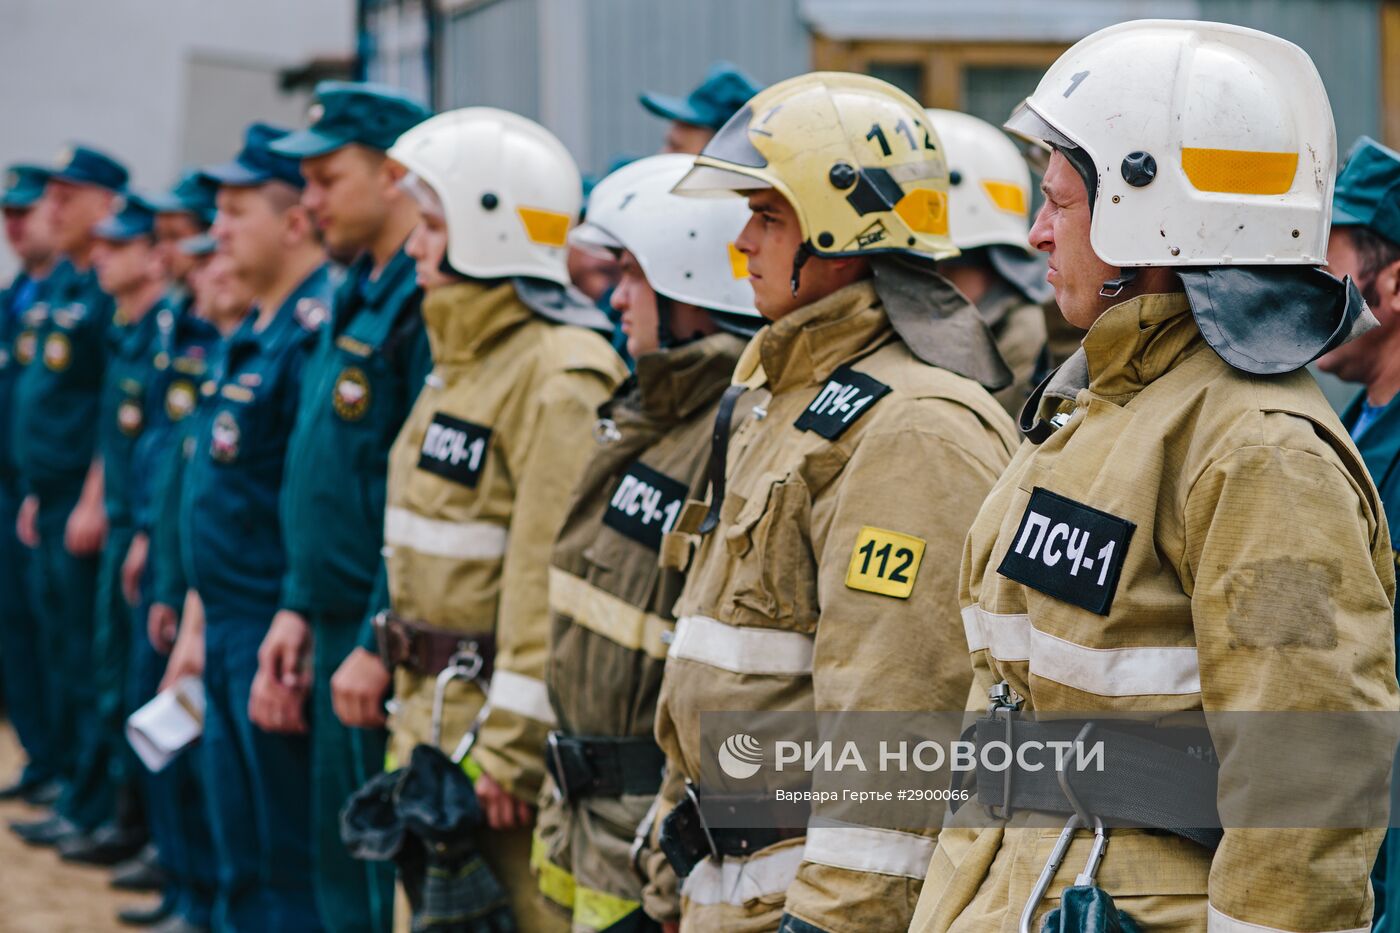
{"points": [[38, 891]]}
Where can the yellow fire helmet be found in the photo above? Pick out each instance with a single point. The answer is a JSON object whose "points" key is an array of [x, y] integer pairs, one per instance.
{"points": [[856, 157]]}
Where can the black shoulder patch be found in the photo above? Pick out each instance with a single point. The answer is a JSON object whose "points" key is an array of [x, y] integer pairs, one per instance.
{"points": [[455, 449], [645, 505], [846, 396], [1068, 550]]}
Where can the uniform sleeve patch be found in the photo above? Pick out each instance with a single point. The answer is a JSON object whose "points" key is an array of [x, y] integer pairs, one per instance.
{"points": [[455, 449], [1069, 551], [845, 398], [885, 562], [645, 505]]}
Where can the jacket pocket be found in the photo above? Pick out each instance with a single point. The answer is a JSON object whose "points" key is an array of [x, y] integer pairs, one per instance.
{"points": [[770, 544]]}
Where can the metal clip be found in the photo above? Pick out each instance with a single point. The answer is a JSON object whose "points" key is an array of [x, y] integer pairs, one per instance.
{"points": [[1006, 702], [466, 664], [1057, 858], [1082, 817], [380, 626], [561, 781], [642, 840], [605, 432], [700, 820]]}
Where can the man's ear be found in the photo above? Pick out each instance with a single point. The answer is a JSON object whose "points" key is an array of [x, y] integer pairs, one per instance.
{"points": [[1388, 288], [299, 225]]}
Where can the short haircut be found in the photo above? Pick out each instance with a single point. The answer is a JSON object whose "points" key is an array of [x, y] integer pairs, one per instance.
{"points": [[1373, 252], [282, 196]]}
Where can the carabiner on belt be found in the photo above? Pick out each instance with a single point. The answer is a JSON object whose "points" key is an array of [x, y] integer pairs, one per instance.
{"points": [[1057, 858], [1081, 818], [465, 665]]}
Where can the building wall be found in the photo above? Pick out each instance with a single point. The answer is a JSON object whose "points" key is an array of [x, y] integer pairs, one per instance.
{"points": [[159, 83], [578, 65]]}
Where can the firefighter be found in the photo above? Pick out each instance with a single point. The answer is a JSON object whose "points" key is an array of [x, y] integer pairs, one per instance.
{"points": [[1240, 559], [480, 474], [686, 308], [845, 180]]}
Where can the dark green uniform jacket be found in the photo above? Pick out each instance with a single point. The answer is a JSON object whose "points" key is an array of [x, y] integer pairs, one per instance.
{"points": [[62, 347], [231, 542], [358, 387]]}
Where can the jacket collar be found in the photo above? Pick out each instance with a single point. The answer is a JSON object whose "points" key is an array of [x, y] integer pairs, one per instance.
{"points": [[677, 383], [464, 319], [288, 319], [806, 346], [1136, 342], [1380, 443]]}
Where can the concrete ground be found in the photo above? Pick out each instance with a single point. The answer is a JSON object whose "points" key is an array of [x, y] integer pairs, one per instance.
{"points": [[39, 893]]}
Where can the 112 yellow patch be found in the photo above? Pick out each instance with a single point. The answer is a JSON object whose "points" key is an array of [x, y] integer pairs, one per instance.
{"points": [[885, 562]]}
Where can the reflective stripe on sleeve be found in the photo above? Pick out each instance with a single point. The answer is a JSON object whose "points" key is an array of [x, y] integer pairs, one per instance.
{"points": [[1109, 672], [1217, 922], [739, 880], [461, 540], [605, 614], [742, 650], [861, 848], [519, 694]]}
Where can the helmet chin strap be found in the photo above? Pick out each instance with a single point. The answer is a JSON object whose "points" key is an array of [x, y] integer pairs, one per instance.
{"points": [[1114, 287], [799, 259], [665, 336]]}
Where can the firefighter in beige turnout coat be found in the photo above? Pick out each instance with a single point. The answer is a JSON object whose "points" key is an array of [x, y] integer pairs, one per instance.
{"points": [[480, 475], [1240, 558], [687, 308], [777, 612]]}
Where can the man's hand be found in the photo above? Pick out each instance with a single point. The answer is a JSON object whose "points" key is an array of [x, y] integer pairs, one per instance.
{"points": [[502, 810], [285, 654], [358, 688], [27, 522], [275, 708], [86, 529], [162, 624], [134, 567], [187, 657]]}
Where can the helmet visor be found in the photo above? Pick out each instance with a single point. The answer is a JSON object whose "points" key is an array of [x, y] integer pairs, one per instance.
{"points": [[1033, 128], [595, 241], [423, 194]]}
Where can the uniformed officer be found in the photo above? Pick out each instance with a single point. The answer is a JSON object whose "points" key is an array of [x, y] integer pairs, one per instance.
{"points": [[62, 350], [29, 237], [357, 388], [1240, 554], [480, 475], [129, 270], [696, 117], [1365, 244], [232, 546], [988, 217], [686, 307], [180, 864], [845, 179]]}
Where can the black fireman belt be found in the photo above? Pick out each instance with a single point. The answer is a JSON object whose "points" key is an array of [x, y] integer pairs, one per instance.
{"points": [[686, 839], [603, 766], [426, 649], [1148, 776]]}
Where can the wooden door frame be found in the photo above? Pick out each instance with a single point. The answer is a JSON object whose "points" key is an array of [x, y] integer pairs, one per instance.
{"points": [[1390, 72], [943, 63]]}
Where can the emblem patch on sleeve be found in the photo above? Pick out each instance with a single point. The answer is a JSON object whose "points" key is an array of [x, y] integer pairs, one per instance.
{"points": [[1068, 550], [846, 396], [455, 449], [885, 562], [645, 505]]}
